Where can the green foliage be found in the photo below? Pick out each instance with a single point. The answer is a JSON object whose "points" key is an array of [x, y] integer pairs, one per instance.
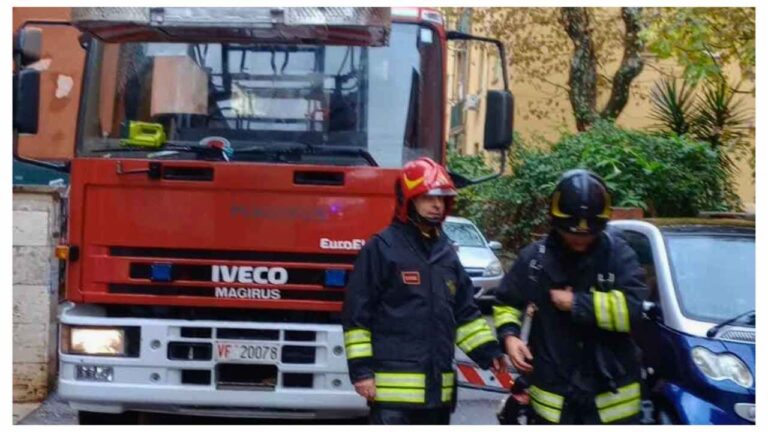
{"points": [[665, 175], [703, 40], [709, 113]]}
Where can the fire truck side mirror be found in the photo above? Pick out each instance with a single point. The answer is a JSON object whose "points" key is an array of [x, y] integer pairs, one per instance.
{"points": [[27, 45], [26, 100], [499, 115]]}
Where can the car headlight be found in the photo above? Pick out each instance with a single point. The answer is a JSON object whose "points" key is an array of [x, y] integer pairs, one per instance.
{"points": [[93, 341], [493, 269], [722, 366]]}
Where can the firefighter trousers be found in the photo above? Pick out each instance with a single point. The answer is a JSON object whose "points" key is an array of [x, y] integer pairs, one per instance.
{"points": [[399, 416], [581, 412]]}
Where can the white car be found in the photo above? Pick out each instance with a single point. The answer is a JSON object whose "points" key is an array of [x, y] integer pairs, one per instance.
{"points": [[476, 255]]}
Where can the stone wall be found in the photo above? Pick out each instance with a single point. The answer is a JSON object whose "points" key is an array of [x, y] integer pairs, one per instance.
{"points": [[37, 219]]}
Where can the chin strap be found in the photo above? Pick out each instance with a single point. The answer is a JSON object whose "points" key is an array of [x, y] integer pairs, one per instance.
{"points": [[420, 221]]}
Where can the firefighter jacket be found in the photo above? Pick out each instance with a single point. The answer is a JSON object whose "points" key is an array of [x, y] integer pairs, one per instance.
{"points": [[408, 303], [587, 353]]}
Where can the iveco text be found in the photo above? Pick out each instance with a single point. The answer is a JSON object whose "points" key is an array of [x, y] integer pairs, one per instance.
{"points": [[247, 274]]}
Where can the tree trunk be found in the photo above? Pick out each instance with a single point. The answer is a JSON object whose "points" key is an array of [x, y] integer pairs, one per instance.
{"points": [[583, 73], [631, 64]]}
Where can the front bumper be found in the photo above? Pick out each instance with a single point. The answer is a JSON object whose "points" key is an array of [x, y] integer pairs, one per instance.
{"points": [[694, 410], [153, 382], [485, 287]]}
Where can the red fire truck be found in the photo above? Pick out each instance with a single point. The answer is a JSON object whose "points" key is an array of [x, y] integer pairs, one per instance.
{"points": [[229, 164]]}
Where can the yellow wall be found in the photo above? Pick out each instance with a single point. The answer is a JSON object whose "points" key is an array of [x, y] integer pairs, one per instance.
{"points": [[559, 118]]}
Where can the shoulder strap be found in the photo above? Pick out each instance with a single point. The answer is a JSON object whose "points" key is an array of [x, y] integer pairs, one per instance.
{"points": [[605, 277], [536, 264]]}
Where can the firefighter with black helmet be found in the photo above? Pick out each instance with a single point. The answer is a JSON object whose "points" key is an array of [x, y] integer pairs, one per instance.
{"points": [[588, 287], [408, 303]]}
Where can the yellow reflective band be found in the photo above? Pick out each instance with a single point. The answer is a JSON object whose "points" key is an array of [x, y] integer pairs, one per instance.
{"points": [[550, 399], [623, 394], [620, 311], [602, 313], [448, 379], [447, 394], [608, 209], [467, 330], [480, 338], [555, 208], [400, 395], [505, 315], [359, 350], [400, 380], [549, 414], [356, 336], [621, 411]]}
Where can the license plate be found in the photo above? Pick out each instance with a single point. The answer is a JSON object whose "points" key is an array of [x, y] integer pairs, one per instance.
{"points": [[248, 352]]}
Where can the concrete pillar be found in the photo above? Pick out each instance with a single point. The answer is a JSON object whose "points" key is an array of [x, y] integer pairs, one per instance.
{"points": [[37, 217]]}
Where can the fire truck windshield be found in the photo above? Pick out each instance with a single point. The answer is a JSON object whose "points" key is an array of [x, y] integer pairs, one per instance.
{"points": [[286, 103]]}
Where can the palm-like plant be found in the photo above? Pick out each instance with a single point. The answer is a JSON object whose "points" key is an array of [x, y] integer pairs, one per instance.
{"points": [[713, 115], [673, 105], [721, 120]]}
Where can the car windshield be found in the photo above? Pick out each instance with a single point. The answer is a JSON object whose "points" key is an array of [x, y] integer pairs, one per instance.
{"points": [[464, 234], [714, 275], [273, 103]]}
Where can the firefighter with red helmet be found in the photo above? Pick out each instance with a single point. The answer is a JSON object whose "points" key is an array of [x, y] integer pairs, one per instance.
{"points": [[408, 303], [588, 287]]}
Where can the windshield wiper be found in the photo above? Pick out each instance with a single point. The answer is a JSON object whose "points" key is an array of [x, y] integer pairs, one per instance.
{"points": [[341, 151], [713, 331], [306, 148], [167, 149]]}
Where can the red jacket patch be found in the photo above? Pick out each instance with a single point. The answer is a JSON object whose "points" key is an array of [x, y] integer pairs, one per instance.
{"points": [[411, 278]]}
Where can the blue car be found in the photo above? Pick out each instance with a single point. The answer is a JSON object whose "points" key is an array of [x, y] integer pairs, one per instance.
{"points": [[699, 342]]}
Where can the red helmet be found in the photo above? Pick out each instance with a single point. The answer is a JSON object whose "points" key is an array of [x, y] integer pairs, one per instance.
{"points": [[419, 177]]}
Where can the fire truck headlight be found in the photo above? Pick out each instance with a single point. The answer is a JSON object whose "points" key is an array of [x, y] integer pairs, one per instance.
{"points": [[93, 341]]}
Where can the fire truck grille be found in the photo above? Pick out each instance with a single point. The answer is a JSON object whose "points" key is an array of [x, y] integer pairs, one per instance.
{"points": [[202, 273], [233, 255]]}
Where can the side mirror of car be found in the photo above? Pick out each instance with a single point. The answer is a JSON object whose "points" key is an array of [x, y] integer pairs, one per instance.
{"points": [[495, 246], [651, 311]]}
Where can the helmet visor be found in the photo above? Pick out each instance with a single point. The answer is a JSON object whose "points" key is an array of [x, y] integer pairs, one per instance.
{"points": [[580, 226], [442, 192]]}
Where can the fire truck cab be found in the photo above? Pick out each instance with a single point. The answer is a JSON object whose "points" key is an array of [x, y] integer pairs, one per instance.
{"points": [[229, 164]]}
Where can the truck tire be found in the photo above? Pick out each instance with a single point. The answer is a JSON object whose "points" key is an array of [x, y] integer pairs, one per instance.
{"points": [[97, 418]]}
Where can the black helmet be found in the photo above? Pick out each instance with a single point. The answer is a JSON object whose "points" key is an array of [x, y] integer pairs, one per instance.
{"points": [[580, 203]]}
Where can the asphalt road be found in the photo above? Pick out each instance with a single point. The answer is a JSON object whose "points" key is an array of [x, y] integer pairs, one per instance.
{"points": [[474, 408]]}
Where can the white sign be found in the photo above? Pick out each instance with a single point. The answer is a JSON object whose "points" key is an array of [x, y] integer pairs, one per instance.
{"points": [[354, 244], [248, 352]]}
